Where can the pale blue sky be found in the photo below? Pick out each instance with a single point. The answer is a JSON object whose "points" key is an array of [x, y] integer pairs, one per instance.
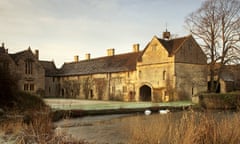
{"points": [[61, 29]]}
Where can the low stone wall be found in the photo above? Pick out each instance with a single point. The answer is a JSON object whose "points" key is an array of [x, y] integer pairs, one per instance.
{"points": [[220, 101]]}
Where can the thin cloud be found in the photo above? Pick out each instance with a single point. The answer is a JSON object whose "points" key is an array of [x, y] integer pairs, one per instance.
{"points": [[87, 26]]}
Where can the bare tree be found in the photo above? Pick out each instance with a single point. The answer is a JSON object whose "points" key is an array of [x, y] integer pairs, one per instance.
{"points": [[216, 25]]}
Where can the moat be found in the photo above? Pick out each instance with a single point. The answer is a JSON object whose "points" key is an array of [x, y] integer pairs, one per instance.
{"points": [[117, 129]]}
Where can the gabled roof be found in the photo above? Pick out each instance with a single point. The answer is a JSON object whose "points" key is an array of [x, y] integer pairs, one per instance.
{"points": [[50, 68], [173, 45], [19, 55], [108, 64]]}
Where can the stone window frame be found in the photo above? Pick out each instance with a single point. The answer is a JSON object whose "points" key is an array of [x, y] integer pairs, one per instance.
{"points": [[29, 66], [164, 74], [31, 87]]}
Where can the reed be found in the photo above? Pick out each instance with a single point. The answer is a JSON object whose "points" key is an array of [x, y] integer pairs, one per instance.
{"points": [[187, 128]]}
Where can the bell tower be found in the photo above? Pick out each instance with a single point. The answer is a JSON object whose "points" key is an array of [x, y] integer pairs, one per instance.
{"points": [[166, 35]]}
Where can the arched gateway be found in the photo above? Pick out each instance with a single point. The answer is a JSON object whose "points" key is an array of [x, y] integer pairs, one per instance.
{"points": [[145, 93]]}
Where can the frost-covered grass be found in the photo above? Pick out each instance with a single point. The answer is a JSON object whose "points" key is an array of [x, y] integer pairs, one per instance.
{"points": [[72, 104]]}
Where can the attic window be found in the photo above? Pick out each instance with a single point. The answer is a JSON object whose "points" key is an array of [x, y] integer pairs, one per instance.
{"points": [[139, 74], [154, 47]]}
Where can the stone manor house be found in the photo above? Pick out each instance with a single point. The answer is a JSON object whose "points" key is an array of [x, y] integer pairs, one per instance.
{"points": [[165, 70]]}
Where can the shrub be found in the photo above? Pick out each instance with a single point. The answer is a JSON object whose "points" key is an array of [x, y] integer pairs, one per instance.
{"points": [[8, 87], [26, 101], [40, 130], [220, 101]]}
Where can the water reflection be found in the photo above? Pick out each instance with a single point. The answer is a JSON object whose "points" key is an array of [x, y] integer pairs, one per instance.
{"points": [[120, 128]]}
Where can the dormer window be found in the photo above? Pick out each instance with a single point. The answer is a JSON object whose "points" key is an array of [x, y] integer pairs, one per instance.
{"points": [[28, 67]]}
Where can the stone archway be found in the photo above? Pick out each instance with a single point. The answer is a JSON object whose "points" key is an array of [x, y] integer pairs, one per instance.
{"points": [[145, 93]]}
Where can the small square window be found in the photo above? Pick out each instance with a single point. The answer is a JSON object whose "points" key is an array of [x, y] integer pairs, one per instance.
{"points": [[154, 47], [124, 89], [25, 87], [31, 87]]}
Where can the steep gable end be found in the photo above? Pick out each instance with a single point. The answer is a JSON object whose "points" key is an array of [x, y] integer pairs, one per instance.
{"points": [[173, 45], [50, 68], [190, 52], [26, 54], [160, 50]]}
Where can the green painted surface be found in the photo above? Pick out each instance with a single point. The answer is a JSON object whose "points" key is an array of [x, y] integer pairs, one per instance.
{"points": [[73, 104]]}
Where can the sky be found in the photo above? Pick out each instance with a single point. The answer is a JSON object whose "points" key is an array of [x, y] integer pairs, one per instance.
{"points": [[61, 29]]}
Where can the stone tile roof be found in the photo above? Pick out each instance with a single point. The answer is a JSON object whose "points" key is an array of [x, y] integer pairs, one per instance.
{"points": [[50, 68], [108, 64], [173, 45]]}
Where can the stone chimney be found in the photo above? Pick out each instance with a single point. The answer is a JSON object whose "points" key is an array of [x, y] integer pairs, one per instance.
{"points": [[110, 52], [37, 54], [135, 47], [76, 58], [166, 35], [87, 56], [3, 45]]}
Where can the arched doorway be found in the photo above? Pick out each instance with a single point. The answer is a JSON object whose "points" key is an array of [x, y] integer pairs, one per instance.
{"points": [[145, 93]]}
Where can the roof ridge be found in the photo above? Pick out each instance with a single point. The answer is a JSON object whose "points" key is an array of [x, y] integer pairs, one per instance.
{"points": [[102, 57], [170, 45]]}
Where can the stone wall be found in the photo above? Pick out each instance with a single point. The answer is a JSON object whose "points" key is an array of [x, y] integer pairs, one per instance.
{"points": [[191, 79], [7, 63], [220, 101], [52, 87], [32, 81], [191, 53], [108, 86], [190, 70], [35, 81], [156, 70]]}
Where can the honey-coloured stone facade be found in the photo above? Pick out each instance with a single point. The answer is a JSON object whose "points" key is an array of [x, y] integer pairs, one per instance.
{"points": [[165, 70]]}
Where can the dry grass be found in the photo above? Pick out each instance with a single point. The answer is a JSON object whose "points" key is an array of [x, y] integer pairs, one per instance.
{"points": [[187, 128], [173, 128], [36, 128]]}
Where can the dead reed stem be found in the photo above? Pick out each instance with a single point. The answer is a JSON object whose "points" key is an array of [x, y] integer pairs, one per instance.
{"points": [[187, 128]]}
